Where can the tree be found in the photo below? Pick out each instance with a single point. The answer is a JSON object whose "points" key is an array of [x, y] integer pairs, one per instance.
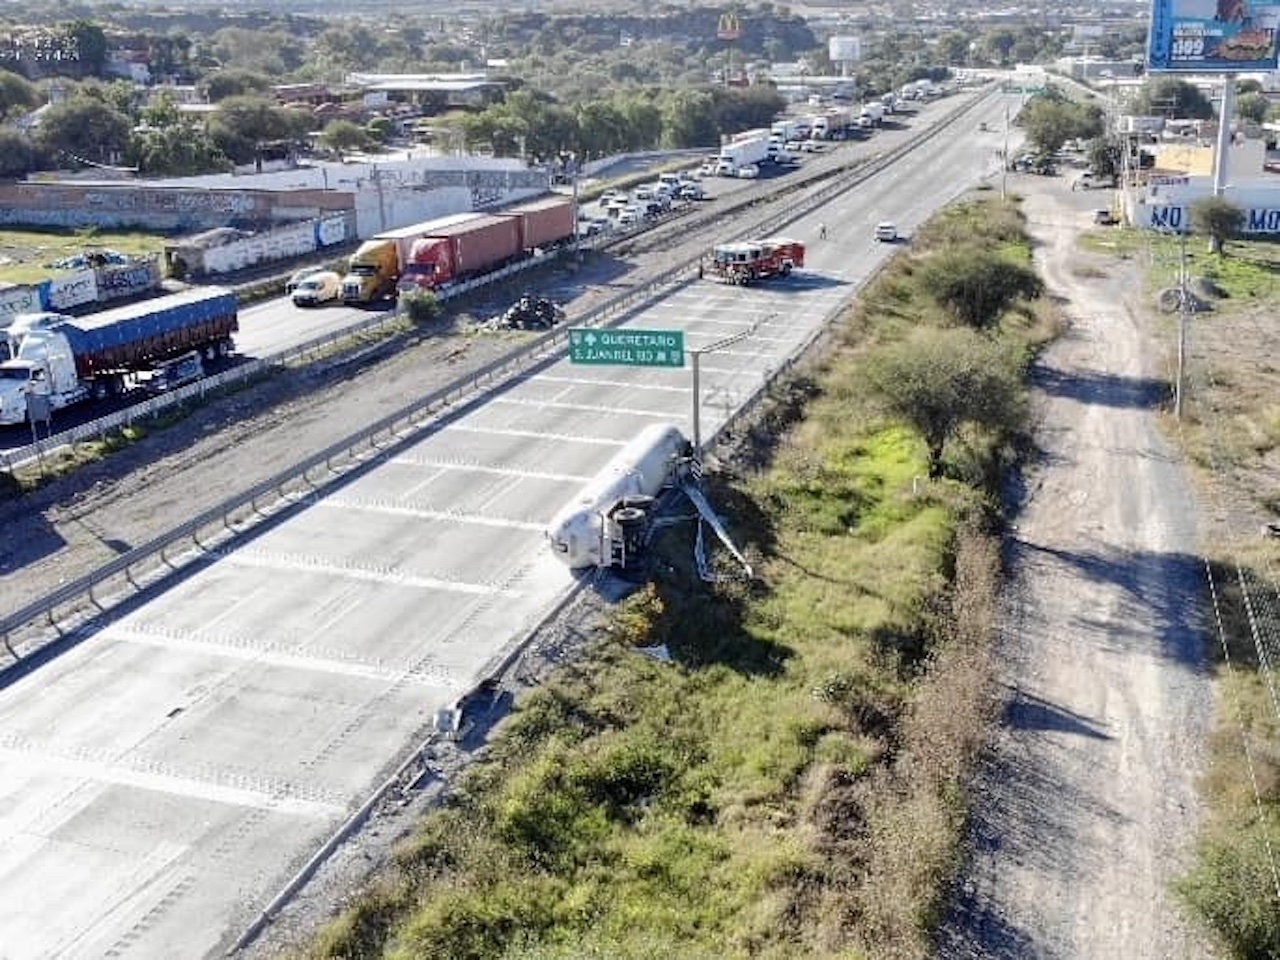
{"points": [[1173, 98], [1218, 217], [940, 380], [84, 130], [177, 150], [343, 136], [1105, 154], [17, 94], [1051, 120], [235, 83], [243, 125], [18, 155], [90, 42], [977, 287], [1253, 107]]}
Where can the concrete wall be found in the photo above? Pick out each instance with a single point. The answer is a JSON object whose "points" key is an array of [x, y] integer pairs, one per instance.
{"points": [[1166, 204], [379, 195]]}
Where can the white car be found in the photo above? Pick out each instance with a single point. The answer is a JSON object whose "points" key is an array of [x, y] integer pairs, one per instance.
{"points": [[748, 171], [629, 215], [886, 231], [317, 289], [298, 277], [812, 146]]}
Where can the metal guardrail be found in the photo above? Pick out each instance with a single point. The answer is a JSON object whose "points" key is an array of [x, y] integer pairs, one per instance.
{"points": [[413, 417]]}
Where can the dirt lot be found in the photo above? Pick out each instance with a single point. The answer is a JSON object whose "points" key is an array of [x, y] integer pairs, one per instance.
{"points": [[1087, 807]]}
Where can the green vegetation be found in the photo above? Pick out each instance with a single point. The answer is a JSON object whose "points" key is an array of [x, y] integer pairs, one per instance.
{"points": [[26, 255], [793, 783], [1218, 218]]}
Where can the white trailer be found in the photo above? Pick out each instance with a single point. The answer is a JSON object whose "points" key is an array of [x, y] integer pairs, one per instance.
{"points": [[871, 115], [741, 153], [597, 528]]}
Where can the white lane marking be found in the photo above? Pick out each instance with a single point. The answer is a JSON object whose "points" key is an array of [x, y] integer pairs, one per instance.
{"points": [[461, 464], [397, 508]]}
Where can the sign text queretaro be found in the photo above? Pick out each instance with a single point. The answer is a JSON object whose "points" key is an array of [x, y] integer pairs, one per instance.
{"points": [[632, 348]]}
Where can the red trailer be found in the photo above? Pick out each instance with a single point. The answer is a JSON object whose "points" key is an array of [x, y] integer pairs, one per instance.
{"points": [[545, 222], [462, 251]]}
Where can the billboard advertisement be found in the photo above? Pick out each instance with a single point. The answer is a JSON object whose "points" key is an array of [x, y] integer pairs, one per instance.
{"points": [[1213, 36]]}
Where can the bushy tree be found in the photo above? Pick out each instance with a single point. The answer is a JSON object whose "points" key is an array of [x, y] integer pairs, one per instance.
{"points": [[17, 94], [1219, 219], [19, 156], [84, 130], [940, 380], [235, 83], [176, 150], [1173, 98], [1050, 120], [1253, 107], [976, 286], [343, 136]]}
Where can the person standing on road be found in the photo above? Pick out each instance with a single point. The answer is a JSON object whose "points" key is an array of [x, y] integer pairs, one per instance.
{"points": [[822, 231]]}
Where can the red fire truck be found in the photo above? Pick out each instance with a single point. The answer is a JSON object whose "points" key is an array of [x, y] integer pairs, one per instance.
{"points": [[746, 261]]}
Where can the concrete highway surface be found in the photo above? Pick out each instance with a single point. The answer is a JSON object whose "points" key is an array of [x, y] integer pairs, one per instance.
{"points": [[164, 777]]}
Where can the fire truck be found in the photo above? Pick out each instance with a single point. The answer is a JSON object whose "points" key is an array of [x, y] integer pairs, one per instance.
{"points": [[746, 261]]}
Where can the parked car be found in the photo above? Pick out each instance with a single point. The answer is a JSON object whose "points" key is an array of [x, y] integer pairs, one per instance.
{"points": [[317, 289], [886, 231], [298, 276], [1090, 181]]}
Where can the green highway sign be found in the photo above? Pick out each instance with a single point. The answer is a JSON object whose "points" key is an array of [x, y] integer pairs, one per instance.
{"points": [[632, 348]]}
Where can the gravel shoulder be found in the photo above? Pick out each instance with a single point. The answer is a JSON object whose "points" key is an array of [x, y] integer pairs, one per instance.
{"points": [[1087, 808]]}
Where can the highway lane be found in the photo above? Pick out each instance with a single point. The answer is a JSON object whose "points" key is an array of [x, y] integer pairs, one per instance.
{"points": [[161, 779]]}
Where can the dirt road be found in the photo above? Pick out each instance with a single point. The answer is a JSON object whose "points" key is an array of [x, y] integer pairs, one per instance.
{"points": [[1087, 807]]}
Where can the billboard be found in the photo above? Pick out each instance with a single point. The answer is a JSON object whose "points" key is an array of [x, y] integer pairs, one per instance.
{"points": [[1213, 36]]}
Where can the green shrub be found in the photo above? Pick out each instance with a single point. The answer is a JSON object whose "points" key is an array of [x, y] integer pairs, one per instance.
{"points": [[1232, 888], [422, 306], [977, 286]]}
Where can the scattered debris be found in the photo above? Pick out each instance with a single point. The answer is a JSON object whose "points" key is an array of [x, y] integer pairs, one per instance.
{"points": [[529, 313]]}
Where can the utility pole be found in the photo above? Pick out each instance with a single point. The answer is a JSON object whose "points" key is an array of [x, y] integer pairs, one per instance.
{"points": [[1184, 303]]}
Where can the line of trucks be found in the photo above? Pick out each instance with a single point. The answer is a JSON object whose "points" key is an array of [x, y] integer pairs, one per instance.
{"points": [[60, 360], [447, 250]]}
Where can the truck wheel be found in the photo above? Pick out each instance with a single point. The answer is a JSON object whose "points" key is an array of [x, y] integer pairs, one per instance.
{"points": [[225, 348], [100, 389]]}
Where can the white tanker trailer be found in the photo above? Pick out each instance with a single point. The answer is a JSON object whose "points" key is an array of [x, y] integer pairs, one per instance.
{"points": [[599, 526]]}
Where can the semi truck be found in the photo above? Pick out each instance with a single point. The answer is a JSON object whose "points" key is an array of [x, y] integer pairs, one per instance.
{"points": [[473, 248], [101, 355], [871, 115], [435, 253], [747, 261], [741, 153], [376, 266], [832, 125]]}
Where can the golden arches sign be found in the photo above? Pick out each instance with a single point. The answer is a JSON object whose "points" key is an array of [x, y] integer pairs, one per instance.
{"points": [[729, 28]]}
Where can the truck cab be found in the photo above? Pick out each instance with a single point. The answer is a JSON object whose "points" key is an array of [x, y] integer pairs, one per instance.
{"points": [[372, 272], [44, 367]]}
